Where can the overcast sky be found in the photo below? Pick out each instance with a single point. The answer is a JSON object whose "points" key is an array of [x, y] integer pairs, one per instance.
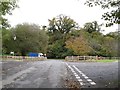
{"points": [[39, 11]]}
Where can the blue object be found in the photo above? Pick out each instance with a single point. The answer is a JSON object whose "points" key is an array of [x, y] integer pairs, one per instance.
{"points": [[33, 54]]}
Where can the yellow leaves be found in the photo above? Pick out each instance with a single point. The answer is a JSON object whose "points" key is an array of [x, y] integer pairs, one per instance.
{"points": [[79, 45]]}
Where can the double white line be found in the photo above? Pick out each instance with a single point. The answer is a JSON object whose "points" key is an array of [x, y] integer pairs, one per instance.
{"points": [[89, 80], [78, 77]]}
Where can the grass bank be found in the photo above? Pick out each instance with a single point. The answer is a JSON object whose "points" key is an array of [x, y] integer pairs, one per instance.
{"points": [[107, 60], [104, 60]]}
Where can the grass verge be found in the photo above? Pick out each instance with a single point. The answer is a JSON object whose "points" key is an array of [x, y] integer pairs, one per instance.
{"points": [[107, 60], [103, 60]]}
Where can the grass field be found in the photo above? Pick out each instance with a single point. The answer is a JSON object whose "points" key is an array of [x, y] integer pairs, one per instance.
{"points": [[102, 60], [107, 60]]}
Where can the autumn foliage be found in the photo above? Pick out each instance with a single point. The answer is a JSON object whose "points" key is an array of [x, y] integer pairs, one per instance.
{"points": [[79, 45]]}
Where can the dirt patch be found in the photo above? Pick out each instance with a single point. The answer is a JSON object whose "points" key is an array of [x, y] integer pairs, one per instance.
{"points": [[71, 84], [70, 81]]}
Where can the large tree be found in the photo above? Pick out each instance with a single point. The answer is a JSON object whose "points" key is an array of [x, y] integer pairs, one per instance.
{"points": [[25, 38], [113, 16], [58, 29], [60, 26]]}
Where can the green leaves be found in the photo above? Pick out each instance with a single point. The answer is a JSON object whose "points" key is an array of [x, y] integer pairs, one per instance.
{"points": [[6, 8], [58, 30], [112, 17], [29, 38], [62, 24], [92, 27]]}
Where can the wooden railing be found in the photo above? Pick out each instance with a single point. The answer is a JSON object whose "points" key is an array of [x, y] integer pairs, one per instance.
{"points": [[78, 58], [22, 58]]}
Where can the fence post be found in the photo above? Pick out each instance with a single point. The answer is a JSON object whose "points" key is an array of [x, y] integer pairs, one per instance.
{"points": [[72, 58], [96, 57], [78, 58], [84, 57], [90, 57], [66, 58]]}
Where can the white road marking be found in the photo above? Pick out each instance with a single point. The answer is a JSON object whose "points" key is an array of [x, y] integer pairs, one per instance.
{"points": [[76, 75], [73, 71], [66, 64], [80, 72], [83, 75], [89, 80], [80, 80], [92, 83], [86, 77], [81, 83]]}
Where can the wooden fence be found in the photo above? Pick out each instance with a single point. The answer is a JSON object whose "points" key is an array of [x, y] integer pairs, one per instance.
{"points": [[22, 58], [78, 58]]}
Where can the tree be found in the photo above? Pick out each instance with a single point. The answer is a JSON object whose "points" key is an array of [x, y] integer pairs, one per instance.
{"points": [[92, 27], [79, 45], [0, 41], [58, 30], [58, 50], [61, 25], [6, 8], [114, 35], [110, 46], [29, 38], [112, 17], [7, 41], [111, 43]]}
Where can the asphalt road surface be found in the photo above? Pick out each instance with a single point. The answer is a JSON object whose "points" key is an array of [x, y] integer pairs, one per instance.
{"points": [[59, 74]]}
